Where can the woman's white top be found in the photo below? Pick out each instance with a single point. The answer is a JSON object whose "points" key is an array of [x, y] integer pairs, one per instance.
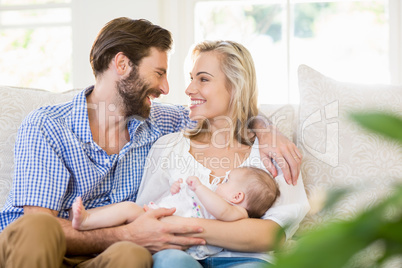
{"points": [[169, 160]]}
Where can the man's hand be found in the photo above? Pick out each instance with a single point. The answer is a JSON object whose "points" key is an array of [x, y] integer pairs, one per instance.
{"points": [[148, 231], [274, 145]]}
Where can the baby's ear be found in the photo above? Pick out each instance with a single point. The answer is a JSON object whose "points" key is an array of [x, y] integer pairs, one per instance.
{"points": [[237, 198]]}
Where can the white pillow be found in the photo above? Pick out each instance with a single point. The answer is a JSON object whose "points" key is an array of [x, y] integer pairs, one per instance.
{"points": [[337, 151]]}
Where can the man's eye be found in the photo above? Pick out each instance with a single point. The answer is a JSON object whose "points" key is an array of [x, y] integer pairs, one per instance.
{"points": [[159, 74]]}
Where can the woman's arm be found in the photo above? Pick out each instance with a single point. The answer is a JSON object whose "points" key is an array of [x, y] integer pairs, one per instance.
{"points": [[256, 235], [274, 145], [247, 235]]}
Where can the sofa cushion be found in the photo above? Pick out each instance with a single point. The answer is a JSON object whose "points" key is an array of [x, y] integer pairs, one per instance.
{"points": [[282, 117], [15, 104], [339, 153]]}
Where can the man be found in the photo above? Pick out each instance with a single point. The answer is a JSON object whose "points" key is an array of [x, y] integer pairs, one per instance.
{"points": [[95, 147]]}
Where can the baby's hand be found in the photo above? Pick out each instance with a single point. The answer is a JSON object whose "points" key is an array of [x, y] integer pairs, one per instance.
{"points": [[193, 182], [175, 188], [150, 206]]}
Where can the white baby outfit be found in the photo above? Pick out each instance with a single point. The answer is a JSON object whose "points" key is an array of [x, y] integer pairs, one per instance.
{"points": [[188, 205]]}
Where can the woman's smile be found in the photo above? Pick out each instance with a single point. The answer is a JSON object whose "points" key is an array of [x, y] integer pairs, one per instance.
{"points": [[196, 102]]}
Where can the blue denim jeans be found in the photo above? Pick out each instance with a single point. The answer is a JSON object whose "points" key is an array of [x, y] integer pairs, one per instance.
{"points": [[179, 259]]}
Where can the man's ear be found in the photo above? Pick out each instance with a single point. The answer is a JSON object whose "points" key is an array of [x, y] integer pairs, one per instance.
{"points": [[237, 198], [121, 63]]}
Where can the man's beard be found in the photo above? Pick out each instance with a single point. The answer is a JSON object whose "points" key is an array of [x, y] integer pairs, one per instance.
{"points": [[133, 92]]}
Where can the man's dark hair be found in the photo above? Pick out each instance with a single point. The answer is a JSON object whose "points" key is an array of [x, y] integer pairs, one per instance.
{"points": [[133, 38]]}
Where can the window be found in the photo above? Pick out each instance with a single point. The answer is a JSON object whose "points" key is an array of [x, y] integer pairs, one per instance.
{"points": [[36, 44], [348, 40]]}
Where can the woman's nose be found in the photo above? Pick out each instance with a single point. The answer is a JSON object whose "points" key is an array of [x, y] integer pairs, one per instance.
{"points": [[190, 89]]}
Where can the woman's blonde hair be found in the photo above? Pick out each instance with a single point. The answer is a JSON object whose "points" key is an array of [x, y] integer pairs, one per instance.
{"points": [[238, 67]]}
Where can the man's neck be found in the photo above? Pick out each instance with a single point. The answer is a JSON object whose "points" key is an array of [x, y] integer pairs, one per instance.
{"points": [[107, 122]]}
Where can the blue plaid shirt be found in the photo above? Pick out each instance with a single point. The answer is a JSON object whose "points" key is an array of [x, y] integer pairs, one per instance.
{"points": [[56, 159]]}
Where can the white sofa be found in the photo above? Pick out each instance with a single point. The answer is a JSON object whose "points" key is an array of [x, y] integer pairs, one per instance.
{"points": [[337, 152]]}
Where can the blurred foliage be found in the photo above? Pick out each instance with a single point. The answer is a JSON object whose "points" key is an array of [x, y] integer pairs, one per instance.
{"points": [[305, 17], [376, 8], [337, 244], [268, 19], [269, 22], [385, 124], [24, 41]]}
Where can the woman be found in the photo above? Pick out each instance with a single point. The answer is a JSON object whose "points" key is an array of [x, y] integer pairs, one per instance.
{"points": [[223, 94]]}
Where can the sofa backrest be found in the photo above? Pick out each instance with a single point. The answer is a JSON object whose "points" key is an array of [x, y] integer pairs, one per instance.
{"points": [[15, 104]]}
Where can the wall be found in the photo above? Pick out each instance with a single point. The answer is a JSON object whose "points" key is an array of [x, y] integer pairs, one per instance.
{"points": [[90, 16]]}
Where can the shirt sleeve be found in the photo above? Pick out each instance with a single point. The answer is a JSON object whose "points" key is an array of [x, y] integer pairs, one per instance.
{"points": [[40, 178], [172, 118]]}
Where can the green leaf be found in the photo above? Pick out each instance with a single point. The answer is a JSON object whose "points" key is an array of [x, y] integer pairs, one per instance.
{"points": [[333, 245], [334, 197], [382, 123]]}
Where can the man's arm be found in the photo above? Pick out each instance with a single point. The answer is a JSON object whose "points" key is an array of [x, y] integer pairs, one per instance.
{"points": [[146, 231], [274, 145]]}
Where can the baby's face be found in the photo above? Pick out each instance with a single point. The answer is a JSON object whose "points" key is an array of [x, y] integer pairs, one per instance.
{"points": [[231, 185]]}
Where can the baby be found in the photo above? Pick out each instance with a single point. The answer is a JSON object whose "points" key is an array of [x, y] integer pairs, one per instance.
{"points": [[245, 192]]}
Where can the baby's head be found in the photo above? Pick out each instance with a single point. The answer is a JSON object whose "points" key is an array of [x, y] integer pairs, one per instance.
{"points": [[255, 189]]}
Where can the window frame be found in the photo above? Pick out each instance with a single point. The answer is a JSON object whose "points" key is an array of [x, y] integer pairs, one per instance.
{"points": [[5, 8], [187, 36], [37, 25]]}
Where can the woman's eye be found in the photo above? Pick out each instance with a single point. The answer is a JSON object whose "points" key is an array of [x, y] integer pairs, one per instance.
{"points": [[204, 80]]}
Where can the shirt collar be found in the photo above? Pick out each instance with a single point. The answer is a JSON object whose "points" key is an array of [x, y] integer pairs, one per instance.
{"points": [[80, 121]]}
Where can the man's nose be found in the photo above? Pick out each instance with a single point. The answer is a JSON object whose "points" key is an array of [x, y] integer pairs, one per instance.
{"points": [[164, 87]]}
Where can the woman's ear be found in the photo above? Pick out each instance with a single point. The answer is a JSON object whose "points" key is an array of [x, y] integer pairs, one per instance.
{"points": [[237, 198]]}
